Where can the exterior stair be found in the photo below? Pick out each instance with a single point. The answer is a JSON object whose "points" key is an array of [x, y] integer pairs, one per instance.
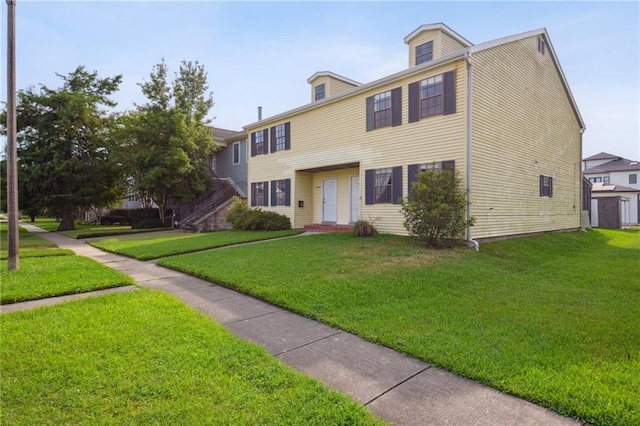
{"points": [[192, 215]]}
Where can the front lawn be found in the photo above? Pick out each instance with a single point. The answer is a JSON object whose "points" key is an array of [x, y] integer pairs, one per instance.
{"points": [[84, 230], [40, 277], [147, 247], [551, 318], [146, 358], [29, 245]]}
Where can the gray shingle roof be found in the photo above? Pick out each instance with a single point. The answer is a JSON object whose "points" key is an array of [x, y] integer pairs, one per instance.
{"points": [[605, 187], [601, 156], [619, 165]]}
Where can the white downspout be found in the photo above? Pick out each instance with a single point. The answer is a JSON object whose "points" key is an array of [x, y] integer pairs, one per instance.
{"points": [[467, 57]]}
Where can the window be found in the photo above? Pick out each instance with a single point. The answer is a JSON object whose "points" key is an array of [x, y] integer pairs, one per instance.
{"points": [[605, 179], [432, 96], [541, 45], [414, 169], [546, 186], [424, 52], [281, 192], [384, 109], [595, 179], [383, 185], [281, 137], [633, 178], [259, 194], [236, 153], [259, 142], [319, 91]]}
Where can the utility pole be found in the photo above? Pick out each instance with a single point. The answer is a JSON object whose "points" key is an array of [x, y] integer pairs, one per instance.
{"points": [[12, 153]]}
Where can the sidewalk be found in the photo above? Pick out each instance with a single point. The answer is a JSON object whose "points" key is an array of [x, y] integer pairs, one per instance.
{"points": [[397, 388]]}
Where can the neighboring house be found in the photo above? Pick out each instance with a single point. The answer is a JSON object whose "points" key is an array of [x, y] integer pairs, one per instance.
{"points": [[614, 206], [614, 177], [612, 169], [230, 162], [500, 113]]}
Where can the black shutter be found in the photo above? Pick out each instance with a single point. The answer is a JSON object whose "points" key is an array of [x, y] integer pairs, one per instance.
{"points": [[253, 144], [369, 113], [265, 141], [412, 171], [414, 102], [253, 195], [449, 87], [550, 186], [396, 185], [273, 139], [369, 179], [274, 185], [541, 185], [449, 165], [287, 135], [287, 191], [396, 106], [265, 185]]}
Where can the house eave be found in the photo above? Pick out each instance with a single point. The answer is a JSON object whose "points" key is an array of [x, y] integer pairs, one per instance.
{"points": [[332, 75], [438, 26]]}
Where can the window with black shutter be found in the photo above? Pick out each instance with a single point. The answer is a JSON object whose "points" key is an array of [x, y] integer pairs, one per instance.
{"points": [[281, 137], [384, 109], [259, 142], [281, 192], [383, 185], [432, 96], [546, 186]]}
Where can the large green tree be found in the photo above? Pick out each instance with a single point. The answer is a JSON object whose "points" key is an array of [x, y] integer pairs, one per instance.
{"points": [[168, 139], [66, 148]]}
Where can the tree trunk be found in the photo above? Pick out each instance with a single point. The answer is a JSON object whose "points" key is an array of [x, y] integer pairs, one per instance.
{"points": [[32, 217], [67, 223]]}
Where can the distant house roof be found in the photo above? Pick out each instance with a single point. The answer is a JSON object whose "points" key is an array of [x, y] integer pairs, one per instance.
{"points": [[606, 187], [602, 156], [617, 165]]}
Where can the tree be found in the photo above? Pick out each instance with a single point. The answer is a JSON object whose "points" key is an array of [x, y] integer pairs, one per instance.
{"points": [[168, 140], [65, 147], [435, 209]]}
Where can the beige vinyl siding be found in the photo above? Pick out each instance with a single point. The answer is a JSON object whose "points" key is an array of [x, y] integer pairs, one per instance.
{"points": [[449, 45], [339, 86], [302, 190], [523, 127], [335, 134]]}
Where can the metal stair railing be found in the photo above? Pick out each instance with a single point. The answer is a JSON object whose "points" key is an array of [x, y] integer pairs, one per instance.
{"points": [[204, 206]]}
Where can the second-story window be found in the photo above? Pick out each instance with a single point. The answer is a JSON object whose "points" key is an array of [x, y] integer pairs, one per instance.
{"points": [[319, 91], [431, 90], [424, 52], [384, 109], [259, 142], [281, 137]]}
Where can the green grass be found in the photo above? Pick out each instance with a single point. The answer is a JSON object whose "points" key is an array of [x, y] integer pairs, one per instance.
{"points": [[146, 358], [170, 243], [551, 318], [84, 230], [29, 245], [42, 277]]}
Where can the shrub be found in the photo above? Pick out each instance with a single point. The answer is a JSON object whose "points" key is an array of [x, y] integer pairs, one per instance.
{"points": [[435, 209], [242, 217], [364, 228]]}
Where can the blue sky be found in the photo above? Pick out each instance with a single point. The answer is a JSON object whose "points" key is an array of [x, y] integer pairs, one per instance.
{"points": [[261, 53]]}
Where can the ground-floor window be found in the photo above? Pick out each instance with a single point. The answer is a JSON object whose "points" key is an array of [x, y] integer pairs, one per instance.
{"points": [[281, 192], [383, 185], [259, 194]]}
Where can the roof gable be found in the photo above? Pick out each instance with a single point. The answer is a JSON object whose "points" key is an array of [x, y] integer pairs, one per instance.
{"points": [[438, 26]]}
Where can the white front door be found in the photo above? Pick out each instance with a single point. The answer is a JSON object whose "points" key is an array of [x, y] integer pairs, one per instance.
{"points": [[329, 196], [355, 198]]}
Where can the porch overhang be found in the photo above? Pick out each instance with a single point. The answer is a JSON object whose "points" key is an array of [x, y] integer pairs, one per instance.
{"points": [[332, 167]]}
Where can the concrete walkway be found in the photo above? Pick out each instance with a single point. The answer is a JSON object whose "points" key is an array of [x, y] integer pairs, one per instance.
{"points": [[397, 388]]}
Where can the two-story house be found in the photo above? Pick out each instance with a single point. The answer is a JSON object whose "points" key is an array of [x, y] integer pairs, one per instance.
{"points": [[616, 190], [500, 113]]}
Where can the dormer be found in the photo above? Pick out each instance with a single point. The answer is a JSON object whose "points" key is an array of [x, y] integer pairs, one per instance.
{"points": [[325, 84], [433, 41]]}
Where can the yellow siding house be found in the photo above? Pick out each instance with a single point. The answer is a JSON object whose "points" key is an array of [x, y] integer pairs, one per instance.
{"points": [[500, 113]]}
